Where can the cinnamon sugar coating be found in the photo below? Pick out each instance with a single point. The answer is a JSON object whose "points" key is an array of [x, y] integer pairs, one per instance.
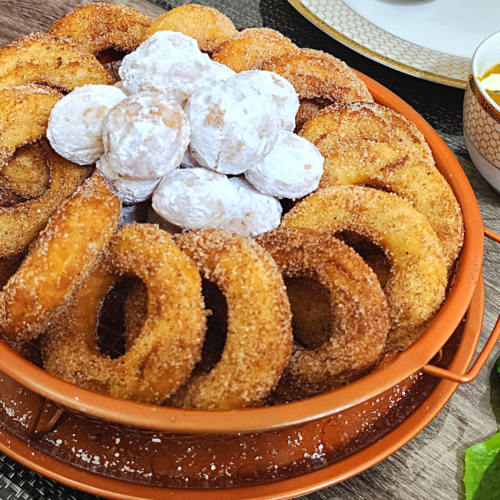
{"points": [[49, 60], [27, 173], [24, 120], [252, 48], [164, 352], [370, 144], [417, 282], [259, 331], [21, 221], [59, 261], [320, 79], [99, 26], [360, 316], [209, 27], [24, 116]]}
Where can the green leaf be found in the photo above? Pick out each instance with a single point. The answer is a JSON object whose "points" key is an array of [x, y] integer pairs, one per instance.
{"points": [[482, 470], [498, 365]]}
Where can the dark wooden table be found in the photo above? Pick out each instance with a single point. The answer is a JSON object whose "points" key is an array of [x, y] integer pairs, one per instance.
{"points": [[430, 466]]}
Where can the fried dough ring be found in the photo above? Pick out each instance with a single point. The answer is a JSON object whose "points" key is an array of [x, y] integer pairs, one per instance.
{"points": [[417, 281], [27, 173], [209, 27], [59, 261], [24, 119], [49, 60], [252, 48], [366, 143], [259, 331], [169, 344], [320, 80], [100, 26], [358, 305]]}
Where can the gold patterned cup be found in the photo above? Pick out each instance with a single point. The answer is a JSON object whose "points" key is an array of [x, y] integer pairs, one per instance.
{"points": [[481, 115]]}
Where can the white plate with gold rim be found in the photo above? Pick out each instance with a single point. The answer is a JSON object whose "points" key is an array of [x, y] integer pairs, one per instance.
{"points": [[430, 39]]}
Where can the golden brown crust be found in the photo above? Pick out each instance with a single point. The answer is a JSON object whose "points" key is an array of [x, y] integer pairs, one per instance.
{"points": [[259, 331], [100, 26], [27, 173], [209, 27], [417, 283], [24, 119], [49, 60], [169, 344], [24, 116], [20, 223], [309, 109], [59, 261], [360, 315], [252, 48], [370, 144], [315, 74]]}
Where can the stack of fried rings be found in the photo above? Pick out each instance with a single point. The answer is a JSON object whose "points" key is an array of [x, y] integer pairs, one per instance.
{"points": [[259, 363]]}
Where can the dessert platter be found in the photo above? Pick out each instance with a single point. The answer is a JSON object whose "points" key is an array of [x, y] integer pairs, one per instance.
{"points": [[230, 265]]}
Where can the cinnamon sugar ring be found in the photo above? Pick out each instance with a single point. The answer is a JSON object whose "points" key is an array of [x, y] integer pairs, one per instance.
{"points": [[370, 144], [169, 343], [97, 27], [417, 282], [49, 60], [209, 27], [24, 118], [259, 330], [59, 261], [252, 48], [320, 79], [21, 222], [360, 316], [27, 173]]}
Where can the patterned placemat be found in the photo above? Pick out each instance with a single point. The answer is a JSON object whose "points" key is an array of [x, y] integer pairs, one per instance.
{"points": [[431, 465]]}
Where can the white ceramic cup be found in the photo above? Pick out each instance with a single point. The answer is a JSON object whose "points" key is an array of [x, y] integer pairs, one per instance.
{"points": [[481, 115]]}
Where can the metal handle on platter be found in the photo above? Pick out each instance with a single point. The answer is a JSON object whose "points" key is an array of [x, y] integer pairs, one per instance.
{"points": [[469, 376]]}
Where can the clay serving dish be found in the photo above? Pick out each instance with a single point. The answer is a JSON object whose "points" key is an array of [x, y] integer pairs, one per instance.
{"points": [[190, 450]]}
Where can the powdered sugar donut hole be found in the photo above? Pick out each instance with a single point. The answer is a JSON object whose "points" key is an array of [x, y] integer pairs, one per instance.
{"points": [[233, 126], [292, 170], [128, 190], [167, 62], [76, 122], [279, 89], [145, 136], [259, 213], [196, 198]]}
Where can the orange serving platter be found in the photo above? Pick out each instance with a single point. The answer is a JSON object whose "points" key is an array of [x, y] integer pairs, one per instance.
{"points": [[301, 446]]}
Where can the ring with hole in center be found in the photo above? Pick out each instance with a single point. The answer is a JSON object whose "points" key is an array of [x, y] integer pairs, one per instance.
{"points": [[360, 316], [259, 327], [417, 282], [59, 262], [169, 344]]}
